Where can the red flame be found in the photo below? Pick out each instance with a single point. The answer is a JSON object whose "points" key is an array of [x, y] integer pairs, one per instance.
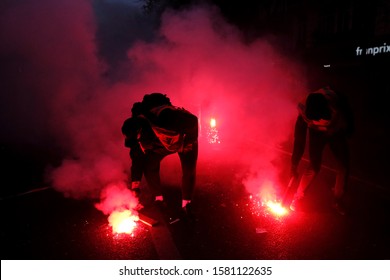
{"points": [[276, 208], [212, 132], [123, 221], [265, 202], [213, 122]]}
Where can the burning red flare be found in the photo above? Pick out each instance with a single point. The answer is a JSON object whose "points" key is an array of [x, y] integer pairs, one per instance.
{"points": [[213, 122], [276, 208], [212, 133], [265, 201], [266, 207], [123, 221]]}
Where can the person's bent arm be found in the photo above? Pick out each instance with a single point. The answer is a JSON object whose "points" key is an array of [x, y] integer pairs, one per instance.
{"points": [[299, 144]]}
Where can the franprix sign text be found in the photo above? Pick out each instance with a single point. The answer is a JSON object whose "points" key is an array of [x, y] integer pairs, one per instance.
{"points": [[379, 50]]}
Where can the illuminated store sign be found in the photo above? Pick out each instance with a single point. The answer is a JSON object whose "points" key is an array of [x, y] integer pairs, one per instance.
{"points": [[373, 50]]}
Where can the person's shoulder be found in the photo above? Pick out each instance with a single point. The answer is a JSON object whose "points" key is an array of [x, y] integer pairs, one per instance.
{"points": [[130, 120], [170, 109], [184, 110], [127, 121], [186, 114]]}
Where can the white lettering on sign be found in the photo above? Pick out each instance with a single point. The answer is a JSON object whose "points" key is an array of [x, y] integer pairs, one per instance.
{"points": [[373, 50]]}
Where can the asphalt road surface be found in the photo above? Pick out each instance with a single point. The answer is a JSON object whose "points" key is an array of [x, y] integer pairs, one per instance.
{"points": [[229, 224]]}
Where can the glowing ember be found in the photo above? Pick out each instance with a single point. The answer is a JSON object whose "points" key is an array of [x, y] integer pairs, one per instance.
{"points": [[276, 208], [212, 133], [213, 123], [123, 221]]}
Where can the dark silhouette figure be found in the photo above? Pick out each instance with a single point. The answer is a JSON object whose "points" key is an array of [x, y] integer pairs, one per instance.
{"points": [[160, 130], [131, 129], [327, 118]]}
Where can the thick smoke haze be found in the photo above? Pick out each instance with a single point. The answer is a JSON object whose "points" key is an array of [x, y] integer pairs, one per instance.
{"points": [[57, 79]]}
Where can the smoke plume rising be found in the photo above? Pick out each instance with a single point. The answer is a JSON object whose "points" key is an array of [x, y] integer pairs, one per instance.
{"points": [[196, 58]]}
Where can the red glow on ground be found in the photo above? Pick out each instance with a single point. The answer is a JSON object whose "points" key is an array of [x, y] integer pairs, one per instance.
{"points": [[123, 221]]}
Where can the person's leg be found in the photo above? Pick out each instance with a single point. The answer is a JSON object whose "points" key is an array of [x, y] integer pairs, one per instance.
{"points": [[188, 160], [137, 168], [152, 173], [317, 143], [339, 147]]}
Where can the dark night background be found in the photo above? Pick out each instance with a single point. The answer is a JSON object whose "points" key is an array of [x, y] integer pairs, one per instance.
{"points": [[70, 70], [311, 34]]}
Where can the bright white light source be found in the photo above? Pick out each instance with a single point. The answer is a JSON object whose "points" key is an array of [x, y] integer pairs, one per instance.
{"points": [[213, 122]]}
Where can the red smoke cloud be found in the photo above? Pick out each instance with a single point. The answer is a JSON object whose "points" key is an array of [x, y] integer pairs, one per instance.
{"points": [[202, 62], [116, 197], [197, 59]]}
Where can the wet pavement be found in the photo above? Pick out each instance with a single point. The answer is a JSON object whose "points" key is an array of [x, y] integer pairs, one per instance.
{"points": [[229, 224]]}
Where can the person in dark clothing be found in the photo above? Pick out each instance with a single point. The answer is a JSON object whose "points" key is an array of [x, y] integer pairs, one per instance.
{"points": [[131, 129], [327, 118], [163, 129]]}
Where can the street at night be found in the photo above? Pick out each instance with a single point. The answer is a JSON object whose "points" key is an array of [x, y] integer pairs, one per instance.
{"points": [[229, 224], [149, 131]]}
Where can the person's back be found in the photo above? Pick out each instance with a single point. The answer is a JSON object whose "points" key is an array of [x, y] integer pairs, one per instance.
{"points": [[175, 130], [175, 127]]}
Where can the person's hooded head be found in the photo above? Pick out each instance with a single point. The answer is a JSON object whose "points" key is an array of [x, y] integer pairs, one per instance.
{"points": [[137, 109], [155, 99], [317, 107]]}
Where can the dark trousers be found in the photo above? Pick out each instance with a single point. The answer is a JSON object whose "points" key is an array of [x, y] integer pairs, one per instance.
{"points": [[339, 147], [188, 161], [137, 163]]}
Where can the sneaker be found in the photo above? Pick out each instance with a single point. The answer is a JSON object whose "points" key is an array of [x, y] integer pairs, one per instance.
{"points": [[135, 184], [339, 209], [136, 192], [134, 187], [139, 207], [188, 213]]}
